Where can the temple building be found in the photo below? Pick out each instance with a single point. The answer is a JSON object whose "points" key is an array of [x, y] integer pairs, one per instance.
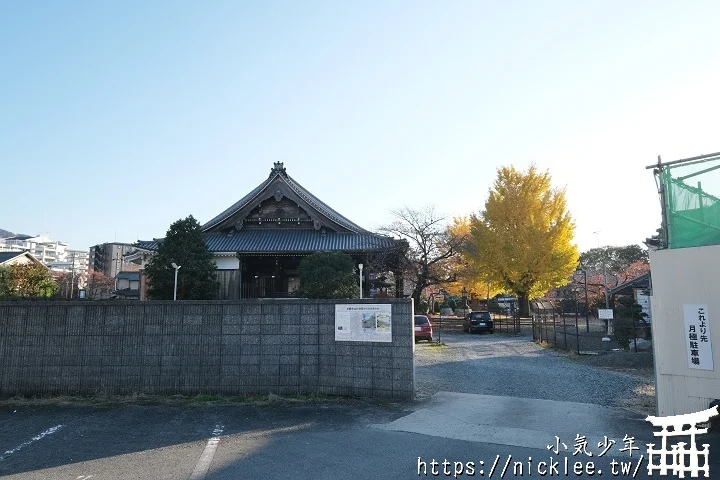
{"points": [[259, 241]]}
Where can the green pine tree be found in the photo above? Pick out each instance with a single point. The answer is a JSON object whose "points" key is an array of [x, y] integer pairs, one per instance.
{"points": [[184, 244], [628, 316]]}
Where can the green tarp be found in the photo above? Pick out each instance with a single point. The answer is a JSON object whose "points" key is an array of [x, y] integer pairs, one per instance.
{"points": [[693, 216]]}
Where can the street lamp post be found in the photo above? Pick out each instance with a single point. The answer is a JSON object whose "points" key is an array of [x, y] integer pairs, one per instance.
{"points": [[176, 267], [437, 299], [360, 266], [445, 300], [587, 317], [577, 331], [587, 307]]}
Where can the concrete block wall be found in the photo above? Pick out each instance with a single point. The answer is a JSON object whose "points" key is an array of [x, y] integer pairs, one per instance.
{"points": [[241, 347]]}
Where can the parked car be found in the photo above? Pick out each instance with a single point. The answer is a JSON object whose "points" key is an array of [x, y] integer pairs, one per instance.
{"points": [[423, 328], [478, 322]]}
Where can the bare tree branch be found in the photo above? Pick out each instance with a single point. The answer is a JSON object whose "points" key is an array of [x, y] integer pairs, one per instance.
{"points": [[431, 247]]}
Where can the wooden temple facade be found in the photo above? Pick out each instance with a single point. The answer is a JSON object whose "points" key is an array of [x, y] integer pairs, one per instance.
{"points": [[259, 242]]}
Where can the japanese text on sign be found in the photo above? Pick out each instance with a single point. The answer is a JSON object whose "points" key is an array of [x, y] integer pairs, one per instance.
{"points": [[697, 337]]}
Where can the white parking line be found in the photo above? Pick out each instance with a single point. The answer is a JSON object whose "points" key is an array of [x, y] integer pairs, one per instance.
{"points": [[42, 435], [203, 464]]}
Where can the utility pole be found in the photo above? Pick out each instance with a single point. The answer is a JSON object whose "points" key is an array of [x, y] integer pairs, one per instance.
{"points": [[117, 264], [659, 173], [72, 276], [72, 283], [607, 301], [605, 290]]}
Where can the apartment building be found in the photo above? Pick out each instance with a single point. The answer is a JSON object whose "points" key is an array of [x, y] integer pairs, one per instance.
{"points": [[108, 257], [52, 253], [73, 261]]}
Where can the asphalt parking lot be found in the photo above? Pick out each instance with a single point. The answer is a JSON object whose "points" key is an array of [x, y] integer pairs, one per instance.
{"points": [[331, 439], [337, 440], [167, 441]]}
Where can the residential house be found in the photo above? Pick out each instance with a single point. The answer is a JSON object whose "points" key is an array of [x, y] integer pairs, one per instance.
{"points": [[16, 258], [127, 284]]}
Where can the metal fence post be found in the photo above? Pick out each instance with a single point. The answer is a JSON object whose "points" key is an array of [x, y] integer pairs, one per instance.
{"points": [[577, 332], [532, 322]]}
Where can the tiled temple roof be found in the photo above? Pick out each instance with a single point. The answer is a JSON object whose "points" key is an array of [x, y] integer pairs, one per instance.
{"points": [[288, 240]]}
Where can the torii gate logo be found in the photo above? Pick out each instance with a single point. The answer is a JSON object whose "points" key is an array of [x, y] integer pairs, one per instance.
{"points": [[682, 460]]}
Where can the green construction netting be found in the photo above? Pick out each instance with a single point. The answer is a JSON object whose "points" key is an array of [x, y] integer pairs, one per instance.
{"points": [[693, 215]]}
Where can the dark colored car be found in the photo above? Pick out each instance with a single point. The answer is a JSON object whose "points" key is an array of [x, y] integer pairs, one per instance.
{"points": [[423, 328], [478, 322]]}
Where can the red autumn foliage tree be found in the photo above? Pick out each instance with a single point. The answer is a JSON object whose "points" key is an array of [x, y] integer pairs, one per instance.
{"points": [[596, 292], [99, 286]]}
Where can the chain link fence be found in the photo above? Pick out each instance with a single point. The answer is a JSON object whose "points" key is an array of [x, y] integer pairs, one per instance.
{"points": [[571, 329]]}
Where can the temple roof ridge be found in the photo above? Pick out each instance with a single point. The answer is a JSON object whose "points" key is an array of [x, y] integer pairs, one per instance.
{"points": [[278, 172], [322, 207]]}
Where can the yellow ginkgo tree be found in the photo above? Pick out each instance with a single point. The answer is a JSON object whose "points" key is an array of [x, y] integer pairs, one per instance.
{"points": [[524, 238], [465, 271]]}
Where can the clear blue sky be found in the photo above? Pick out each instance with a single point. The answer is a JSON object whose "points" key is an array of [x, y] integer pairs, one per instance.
{"points": [[117, 118]]}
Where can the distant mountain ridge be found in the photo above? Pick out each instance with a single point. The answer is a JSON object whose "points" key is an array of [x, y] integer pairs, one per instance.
{"points": [[5, 233]]}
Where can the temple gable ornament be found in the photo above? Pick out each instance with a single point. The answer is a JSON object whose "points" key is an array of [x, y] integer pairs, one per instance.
{"points": [[272, 212], [278, 168]]}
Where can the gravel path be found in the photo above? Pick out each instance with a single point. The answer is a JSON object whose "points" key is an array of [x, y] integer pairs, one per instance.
{"points": [[516, 367]]}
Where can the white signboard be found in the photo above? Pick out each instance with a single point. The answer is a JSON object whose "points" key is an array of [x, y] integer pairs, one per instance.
{"points": [[363, 323], [605, 313], [697, 337]]}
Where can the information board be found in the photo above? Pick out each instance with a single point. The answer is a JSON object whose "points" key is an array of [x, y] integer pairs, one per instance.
{"points": [[363, 323]]}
